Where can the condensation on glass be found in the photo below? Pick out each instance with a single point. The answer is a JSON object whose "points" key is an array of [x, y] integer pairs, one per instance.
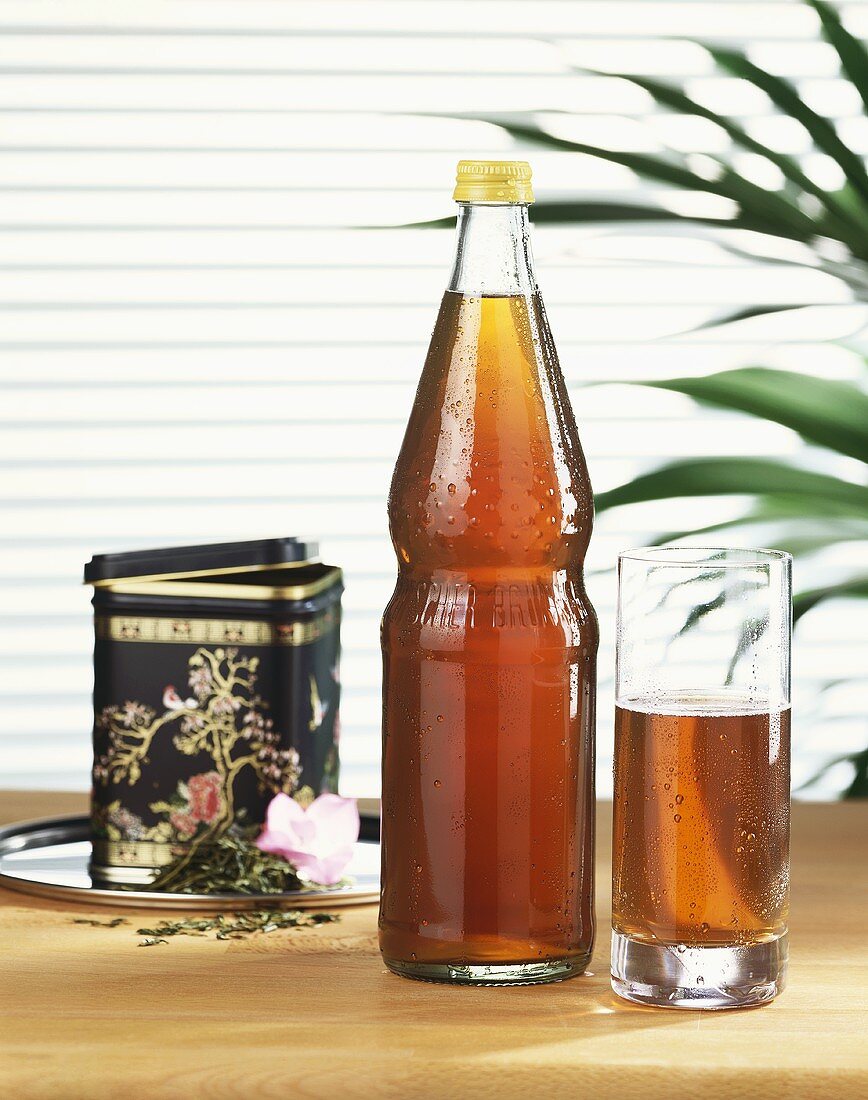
{"points": [[700, 881], [489, 641]]}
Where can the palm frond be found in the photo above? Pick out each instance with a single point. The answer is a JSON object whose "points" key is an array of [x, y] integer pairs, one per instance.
{"points": [[858, 787], [746, 313], [787, 98], [756, 477], [757, 205], [852, 52], [570, 212], [803, 602], [841, 221], [827, 413], [806, 532]]}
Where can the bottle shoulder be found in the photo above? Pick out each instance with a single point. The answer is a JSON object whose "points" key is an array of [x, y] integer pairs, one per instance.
{"points": [[491, 466]]}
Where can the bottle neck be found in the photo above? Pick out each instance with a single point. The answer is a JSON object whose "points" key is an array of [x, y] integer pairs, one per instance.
{"points": [[493, 256]]}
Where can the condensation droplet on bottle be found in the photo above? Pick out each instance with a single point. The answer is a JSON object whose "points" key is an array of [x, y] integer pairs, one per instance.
{"points": [[437, 784], [679, 798], [677, 818], [451, 487]]}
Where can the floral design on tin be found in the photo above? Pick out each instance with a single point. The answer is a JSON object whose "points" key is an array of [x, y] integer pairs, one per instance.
{"points": [[224, 718]]}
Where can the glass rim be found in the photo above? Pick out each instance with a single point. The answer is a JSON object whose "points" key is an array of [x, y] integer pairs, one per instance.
{"points": [[692, 557]]}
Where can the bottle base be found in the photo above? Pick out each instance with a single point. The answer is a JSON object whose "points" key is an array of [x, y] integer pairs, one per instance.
{"points": [[681, 976], [485, 974]]}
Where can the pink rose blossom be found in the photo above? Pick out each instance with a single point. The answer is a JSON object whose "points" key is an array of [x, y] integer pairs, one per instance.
{"points": [[317, 841]]}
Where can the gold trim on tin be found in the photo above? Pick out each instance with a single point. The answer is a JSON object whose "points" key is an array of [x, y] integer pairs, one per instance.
{"points": [[136, 628], [227, 591], [114, 855], [227, 571]]}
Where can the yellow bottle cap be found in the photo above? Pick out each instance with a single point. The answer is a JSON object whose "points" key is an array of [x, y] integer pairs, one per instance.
{"points": [[496, 181]]}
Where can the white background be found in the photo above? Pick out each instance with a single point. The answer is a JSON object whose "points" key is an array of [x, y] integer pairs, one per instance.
{"points": [[202, 337]]}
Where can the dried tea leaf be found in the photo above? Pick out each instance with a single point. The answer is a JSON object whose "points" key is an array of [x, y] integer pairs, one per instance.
{"points": [[238, 925], [100, 923], [229, 864]]}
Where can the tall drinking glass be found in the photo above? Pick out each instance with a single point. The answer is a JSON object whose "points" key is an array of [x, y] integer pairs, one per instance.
{"points": [[700, 879]]}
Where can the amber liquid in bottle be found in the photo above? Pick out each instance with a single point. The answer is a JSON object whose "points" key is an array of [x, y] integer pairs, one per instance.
{"points": [[701, 831], [489, 643]]}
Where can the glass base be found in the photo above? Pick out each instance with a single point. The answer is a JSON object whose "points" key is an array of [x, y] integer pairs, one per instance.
{"points": [[698, 977], [530, 973]]}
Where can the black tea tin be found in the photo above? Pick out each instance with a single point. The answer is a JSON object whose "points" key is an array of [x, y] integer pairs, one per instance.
{"points": [[216, 685]]}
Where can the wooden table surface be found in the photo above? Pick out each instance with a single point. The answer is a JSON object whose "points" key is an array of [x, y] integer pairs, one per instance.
{"points": [[86, 1014]]}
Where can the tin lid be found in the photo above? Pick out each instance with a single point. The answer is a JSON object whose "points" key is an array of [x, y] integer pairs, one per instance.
{"points": [[282, 583], [216, 559]]}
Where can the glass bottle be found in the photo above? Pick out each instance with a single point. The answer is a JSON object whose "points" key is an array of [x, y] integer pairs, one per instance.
{"points": [[489, 640]]}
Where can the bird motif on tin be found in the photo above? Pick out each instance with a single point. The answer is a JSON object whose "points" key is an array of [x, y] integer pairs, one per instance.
{"points": [[173, 701]]}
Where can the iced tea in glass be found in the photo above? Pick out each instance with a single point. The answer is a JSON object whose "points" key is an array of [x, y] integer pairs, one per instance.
{"points": [[700, 884]]}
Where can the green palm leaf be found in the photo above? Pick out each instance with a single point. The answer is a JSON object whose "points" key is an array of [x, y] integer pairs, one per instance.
{"points": [[748, 312], [830, 414], [767, 207], [575, 212], [843, 220], [815, 528], [553, 212], [803, 602], [852, 52], [859, 785], [787, 98], [735, 477]]}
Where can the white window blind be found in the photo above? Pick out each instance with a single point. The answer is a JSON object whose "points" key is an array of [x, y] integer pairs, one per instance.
{"points": [[210, 328]]}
